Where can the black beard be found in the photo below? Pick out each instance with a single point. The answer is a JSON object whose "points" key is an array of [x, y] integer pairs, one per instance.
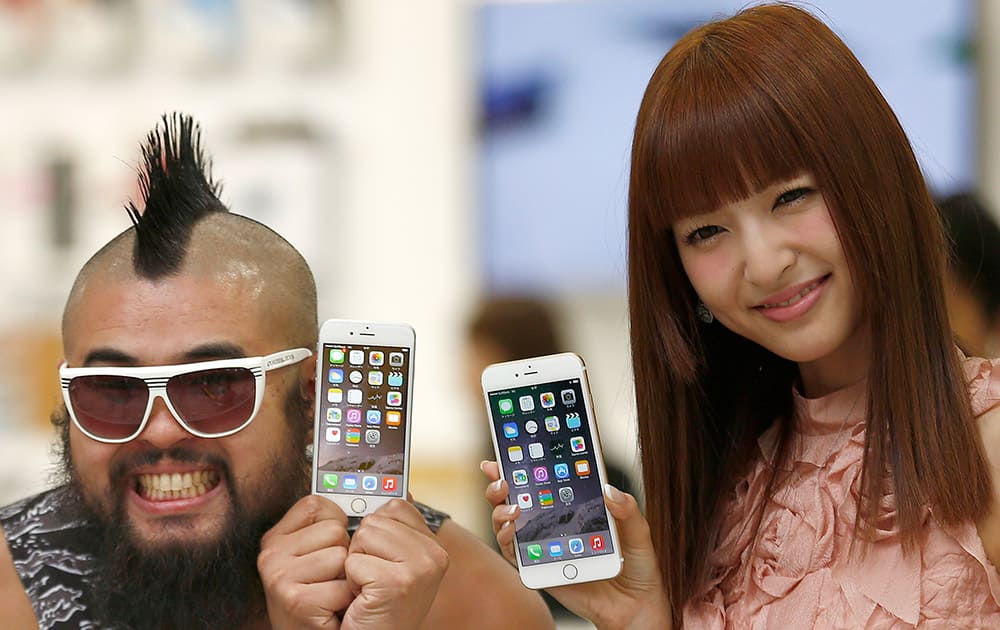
{"points": [[213, 585]]}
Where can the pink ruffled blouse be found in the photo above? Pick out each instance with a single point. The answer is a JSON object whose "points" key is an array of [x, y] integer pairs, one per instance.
{"points": [[801, 574]]}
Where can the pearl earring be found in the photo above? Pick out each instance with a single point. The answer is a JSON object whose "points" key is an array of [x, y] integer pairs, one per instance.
{"points": [[702, 312]]}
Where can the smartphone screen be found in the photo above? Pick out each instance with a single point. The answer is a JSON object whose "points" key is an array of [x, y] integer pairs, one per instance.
{"points": [[363, 403], [549, 461]]}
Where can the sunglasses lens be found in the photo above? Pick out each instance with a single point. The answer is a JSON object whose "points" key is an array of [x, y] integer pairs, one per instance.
{"points": [[110, 407], [213, 401]]}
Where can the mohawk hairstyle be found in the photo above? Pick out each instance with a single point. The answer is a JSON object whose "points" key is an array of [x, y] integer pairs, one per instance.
{"points": [[177, 191]]}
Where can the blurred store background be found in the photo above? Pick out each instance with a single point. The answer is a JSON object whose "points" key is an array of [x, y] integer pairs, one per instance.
{"points": [[422, 154]]}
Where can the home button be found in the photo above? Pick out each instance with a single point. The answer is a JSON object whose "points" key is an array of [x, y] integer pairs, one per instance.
{"points": [[360, 505], [570, 571]]}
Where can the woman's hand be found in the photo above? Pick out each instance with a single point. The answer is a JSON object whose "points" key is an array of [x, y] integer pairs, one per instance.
{"points": [[633, 599]]}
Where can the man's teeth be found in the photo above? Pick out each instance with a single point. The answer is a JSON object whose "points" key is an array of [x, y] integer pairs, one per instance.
{"points": [[795, 298], [167, 486]]}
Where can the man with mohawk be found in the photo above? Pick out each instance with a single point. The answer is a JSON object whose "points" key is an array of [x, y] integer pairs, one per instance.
{"points": [[188, 388]]}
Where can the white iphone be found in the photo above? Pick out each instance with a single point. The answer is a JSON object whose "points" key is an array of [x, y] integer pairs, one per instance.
{"points": [[364, 389], [547, 445]]}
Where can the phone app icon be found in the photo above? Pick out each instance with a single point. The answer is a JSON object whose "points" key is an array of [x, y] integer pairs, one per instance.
{"points": [[375, 377], [535, 450], [356, 376], [336, 375], [597, 543], [394, 399], [510, 430], [329, 480], [334, 414], [561, 471], [353, 416], [393, 418], [396, 359], [582, 468], [555, 549], [356, 357], [350, 482], [376, 357], [531, 426], [566, 494], [332, 435], [514, 453], [520, 477], [334, 395], [545, 498], [572, 421], [336, 356], [389, 484], [556, 447], [354, 396], [576, 444], [534, 552], [353, 435], [524, 500], [551, 423], [548, 400], [369, 482], [395, 379], [374, 416], [568, 396], [576, 546], [527, 403], [506, 406], [372, 436], [541, 474]]}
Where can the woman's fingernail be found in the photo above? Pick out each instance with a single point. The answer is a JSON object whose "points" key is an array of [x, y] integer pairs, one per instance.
{"points": [[482, 465], [505, 525], [495, 486], [511, 509], [613, 494]]}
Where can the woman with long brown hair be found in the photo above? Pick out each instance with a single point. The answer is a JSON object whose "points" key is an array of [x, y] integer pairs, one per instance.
{"points": [[816, 451]]}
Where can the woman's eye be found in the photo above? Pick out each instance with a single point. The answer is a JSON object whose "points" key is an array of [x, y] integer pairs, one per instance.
{"points": [[792, 195], [704, 233]]}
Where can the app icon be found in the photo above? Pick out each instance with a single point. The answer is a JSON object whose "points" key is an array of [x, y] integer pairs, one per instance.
{"points": [[353, 435], [561, 471], [566, 494], [568, 396], [597, 543], [334, 395], [393, 418], [527, 403], [541, 474], [510, 430], [395, 379], [372, 436], [374, 416], [551, 423], [576, 444], [548, 400], [376, 357], [534, 552], [350, 482], [396, 359], [356, 357], [535, 450], [531, 426], [394, 399], [520, 477], [555, 549], [545, 498], [353, 416], [389, 484], [329, 480], [334, 414], [375, 377], [336, 356], [369, 482], [556, 447], [572, 421], [356, 376], [524, 500], [354, 396], [506, 406], [514, 453], [576, 545], [582, 467], [333, 435], [336, 375]]}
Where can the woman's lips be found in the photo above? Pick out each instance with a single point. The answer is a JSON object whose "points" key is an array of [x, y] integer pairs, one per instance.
{"points": [[793, 302]]}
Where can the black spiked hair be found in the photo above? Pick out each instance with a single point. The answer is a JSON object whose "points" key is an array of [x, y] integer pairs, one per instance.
{"points": [[177, 191]]}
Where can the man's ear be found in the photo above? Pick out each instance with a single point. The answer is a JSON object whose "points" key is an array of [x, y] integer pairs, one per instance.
{"points": [[307, 378]]}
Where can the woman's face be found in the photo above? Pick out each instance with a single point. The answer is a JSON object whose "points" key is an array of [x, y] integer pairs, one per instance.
{"points": [[771, 268]]}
